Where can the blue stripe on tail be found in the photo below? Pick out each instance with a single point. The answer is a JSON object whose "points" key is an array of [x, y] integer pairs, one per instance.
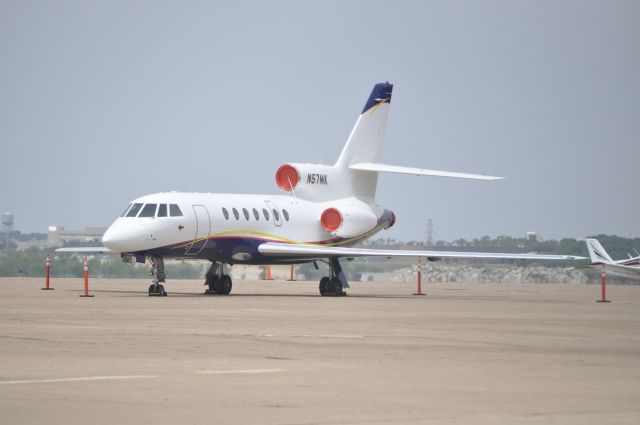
{"points": [[381, 93]]}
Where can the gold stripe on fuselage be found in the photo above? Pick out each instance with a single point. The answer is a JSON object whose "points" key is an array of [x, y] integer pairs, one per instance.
{"points": [[280, 238]]}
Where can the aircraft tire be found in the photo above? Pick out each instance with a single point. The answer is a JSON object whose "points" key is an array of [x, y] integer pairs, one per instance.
{"points": [[324, 283], [157, 290], [224, 285]]}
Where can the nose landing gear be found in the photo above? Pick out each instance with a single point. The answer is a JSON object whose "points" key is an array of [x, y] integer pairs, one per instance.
{"points": [[157, 274]]}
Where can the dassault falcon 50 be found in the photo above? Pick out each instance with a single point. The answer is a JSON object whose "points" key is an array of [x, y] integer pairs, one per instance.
{"points": [[326, 210]]}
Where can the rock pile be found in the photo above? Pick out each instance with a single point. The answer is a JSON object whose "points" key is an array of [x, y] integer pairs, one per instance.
{"points": [[445, 273]]}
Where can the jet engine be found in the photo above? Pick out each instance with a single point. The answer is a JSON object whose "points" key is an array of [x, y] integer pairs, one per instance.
{"points": [[348, 221], [313, 181]]}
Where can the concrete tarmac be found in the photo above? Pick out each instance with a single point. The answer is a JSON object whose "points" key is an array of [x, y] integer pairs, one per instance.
{"points": [[278, 353]]}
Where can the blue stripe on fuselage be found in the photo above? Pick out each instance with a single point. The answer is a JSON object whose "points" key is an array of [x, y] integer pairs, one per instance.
{"points": [[244, 249], [236, 250]]}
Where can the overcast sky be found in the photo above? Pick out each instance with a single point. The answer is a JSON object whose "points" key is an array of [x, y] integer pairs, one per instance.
{"points": [[104, 101]]}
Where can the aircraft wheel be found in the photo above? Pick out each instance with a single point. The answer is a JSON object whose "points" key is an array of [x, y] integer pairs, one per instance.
{"points": [[324, 282], [157, 290], [224, 285]]}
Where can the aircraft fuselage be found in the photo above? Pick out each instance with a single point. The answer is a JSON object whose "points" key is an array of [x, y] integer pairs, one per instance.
{"points": [[228, 228]]}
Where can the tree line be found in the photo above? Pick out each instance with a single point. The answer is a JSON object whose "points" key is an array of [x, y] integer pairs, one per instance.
{"points": [[31, 263]]}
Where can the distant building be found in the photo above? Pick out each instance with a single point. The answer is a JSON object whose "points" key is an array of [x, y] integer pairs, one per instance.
{"points": [[532, 237], [58, 235], [7, 228]]}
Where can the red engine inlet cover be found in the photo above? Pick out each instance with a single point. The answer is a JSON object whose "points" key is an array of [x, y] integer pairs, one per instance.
{"points": [[287, 177], [331, 220]]}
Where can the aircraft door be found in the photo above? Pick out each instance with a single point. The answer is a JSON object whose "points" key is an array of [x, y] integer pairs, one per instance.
{"points": [[203, 230], [275, 212]]}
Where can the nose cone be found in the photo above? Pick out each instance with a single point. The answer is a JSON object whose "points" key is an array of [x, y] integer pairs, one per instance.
{"points": [[116, 238]]}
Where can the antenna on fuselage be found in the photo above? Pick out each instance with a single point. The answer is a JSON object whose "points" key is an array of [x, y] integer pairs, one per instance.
{"points": [[292, 191]]}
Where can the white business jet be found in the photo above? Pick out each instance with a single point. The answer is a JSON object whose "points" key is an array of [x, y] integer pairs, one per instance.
{"points": [[326, 210], [629, 267]]}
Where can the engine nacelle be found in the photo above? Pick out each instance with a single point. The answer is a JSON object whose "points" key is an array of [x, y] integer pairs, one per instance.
{"points": [[313, 181], [348, 221]]}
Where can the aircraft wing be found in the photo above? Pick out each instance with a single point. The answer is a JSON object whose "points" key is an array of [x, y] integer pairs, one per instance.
{"points": [[619, 270], [85, 249], [322, 251], [371, 166]]}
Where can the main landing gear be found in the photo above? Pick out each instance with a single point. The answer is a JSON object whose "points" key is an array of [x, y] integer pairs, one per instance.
{"points": [[157, 275], [334, 283], [217, 281]]}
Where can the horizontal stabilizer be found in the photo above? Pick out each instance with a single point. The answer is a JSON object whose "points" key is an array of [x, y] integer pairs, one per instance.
{"points": [[322, 251], [372, 166], [85, 250]]}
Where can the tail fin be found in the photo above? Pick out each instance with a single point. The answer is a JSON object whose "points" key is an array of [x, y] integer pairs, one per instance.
{"points": [[597, 252], [365, 141], [360, 160]]}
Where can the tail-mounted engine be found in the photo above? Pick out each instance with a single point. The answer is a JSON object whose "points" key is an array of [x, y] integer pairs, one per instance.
{"points": [[313, 181], [352, 221]]}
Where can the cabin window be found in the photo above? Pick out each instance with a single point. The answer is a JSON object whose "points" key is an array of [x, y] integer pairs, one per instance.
{"points": [[245, 213], [124, 211], [265, 213], [174, 210], [149, 210], [235, 213], [225, 213], [276, 216], [285, 214], [256, 214], [162, 210], [134, 210]]}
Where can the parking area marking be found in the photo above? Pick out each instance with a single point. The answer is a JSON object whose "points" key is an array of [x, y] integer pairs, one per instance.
{"points": [[239, 371], [78, 379]]}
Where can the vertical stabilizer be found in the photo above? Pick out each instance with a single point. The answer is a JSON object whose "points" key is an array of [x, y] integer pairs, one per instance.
{"points": [[597, 252], [365, 141]]}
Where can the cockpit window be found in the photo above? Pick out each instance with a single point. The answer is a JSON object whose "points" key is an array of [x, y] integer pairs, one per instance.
{"points": [[134, 210], [124, 211], [162, 210], [149, 210], [174, 210]]}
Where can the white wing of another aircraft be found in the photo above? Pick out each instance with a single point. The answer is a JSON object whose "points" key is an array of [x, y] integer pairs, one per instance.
{"points": [[86, 249], [320, 251]]}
